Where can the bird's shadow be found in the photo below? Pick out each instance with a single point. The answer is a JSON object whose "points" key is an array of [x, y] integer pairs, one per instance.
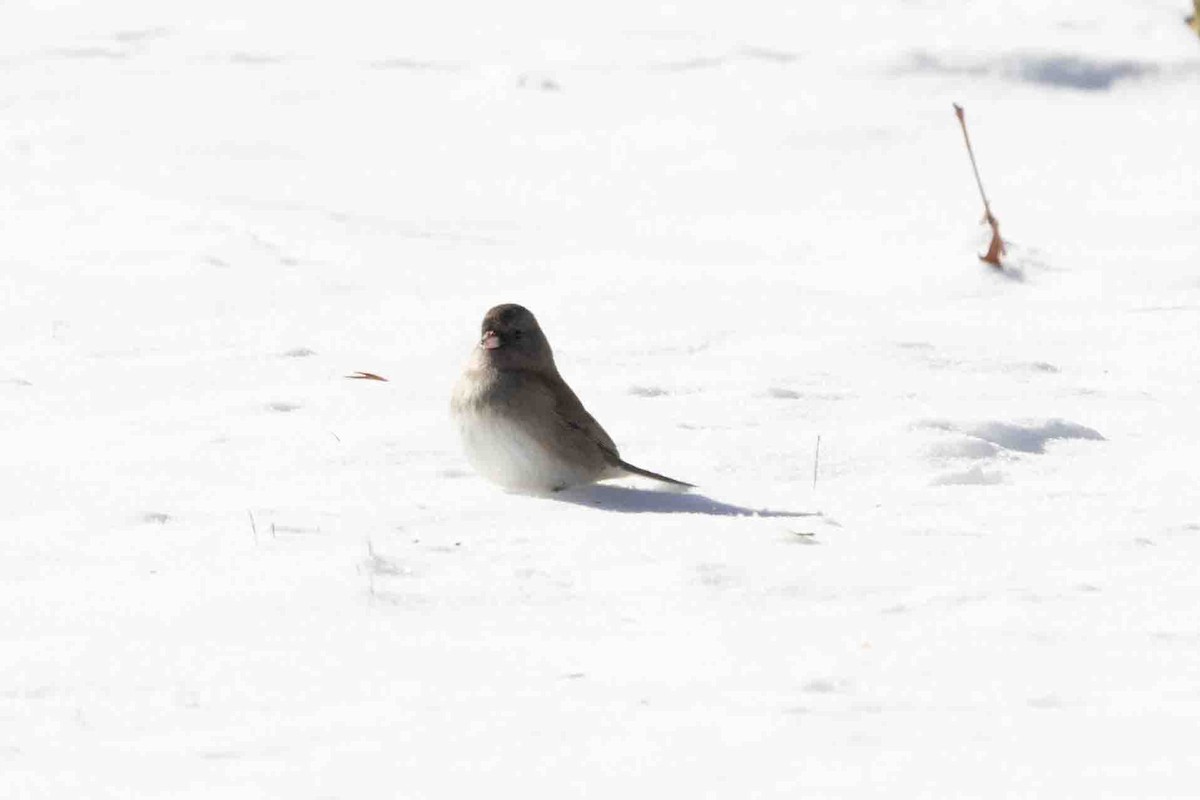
{"points": [[627, 500]]}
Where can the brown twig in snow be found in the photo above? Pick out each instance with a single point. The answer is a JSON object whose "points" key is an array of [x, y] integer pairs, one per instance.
{"points": [[996, 248], [367, 376]]}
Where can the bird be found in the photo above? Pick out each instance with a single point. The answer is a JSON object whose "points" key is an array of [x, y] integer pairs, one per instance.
{"points": [[521, 425]]}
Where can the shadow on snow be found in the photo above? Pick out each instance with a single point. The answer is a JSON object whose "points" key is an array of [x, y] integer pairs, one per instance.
{"points": [[643, 501]]}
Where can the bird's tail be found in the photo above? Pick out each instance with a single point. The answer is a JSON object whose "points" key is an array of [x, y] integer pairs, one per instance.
{"points": [[645, 473]]}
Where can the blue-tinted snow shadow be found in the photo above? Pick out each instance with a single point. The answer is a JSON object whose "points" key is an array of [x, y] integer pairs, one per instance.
{"points": [[1083, 74], [628, 500], [1060, 70]]}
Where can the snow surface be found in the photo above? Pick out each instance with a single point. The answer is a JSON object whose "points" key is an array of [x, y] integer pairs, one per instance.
{"points": [[229, 572]]}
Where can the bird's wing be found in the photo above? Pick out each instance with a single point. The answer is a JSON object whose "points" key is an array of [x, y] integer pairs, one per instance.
{"points": [[575, 418], [578, 430]]}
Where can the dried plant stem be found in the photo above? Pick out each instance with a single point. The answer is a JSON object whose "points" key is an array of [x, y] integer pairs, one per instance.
{"points": [[816, 462], [996, 247]]}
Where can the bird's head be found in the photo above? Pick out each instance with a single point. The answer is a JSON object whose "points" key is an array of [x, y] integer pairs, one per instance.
{"points": [[510, 338]]}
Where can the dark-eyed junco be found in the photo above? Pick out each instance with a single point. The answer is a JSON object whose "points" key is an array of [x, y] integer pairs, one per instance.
{"points": [[521, 425]]}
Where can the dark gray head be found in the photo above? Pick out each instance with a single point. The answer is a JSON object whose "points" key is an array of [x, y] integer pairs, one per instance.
{"points": [[510, 338]]}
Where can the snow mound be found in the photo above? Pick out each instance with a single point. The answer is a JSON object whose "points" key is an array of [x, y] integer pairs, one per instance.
{"points": [[1021, 438]]}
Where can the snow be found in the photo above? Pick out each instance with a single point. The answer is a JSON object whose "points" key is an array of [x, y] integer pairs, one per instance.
{"points": [[228, 571]]}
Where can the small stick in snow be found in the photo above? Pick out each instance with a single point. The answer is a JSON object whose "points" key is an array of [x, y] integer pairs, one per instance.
{"points": [[367, 376], [816, 461], [996, 248], [253, 527]]}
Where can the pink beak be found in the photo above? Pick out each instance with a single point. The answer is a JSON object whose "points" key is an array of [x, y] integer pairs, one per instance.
{"points": [[490, 341]]}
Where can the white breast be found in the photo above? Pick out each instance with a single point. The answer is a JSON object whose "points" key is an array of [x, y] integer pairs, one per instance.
{"points": [[503, 452]]}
